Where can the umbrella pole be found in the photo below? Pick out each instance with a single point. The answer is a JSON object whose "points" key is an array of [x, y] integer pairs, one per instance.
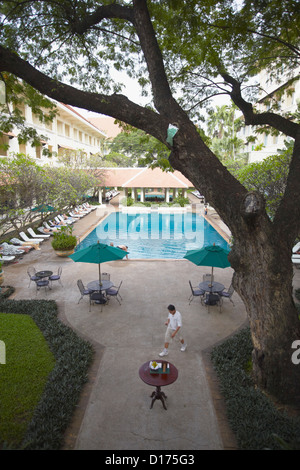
{"points": [[99, 273]]}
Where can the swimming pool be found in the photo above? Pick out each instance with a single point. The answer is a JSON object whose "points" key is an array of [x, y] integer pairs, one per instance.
{"points": [[155, 235]]}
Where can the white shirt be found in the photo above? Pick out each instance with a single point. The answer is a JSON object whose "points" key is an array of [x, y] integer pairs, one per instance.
{"points": [[175, 320]]}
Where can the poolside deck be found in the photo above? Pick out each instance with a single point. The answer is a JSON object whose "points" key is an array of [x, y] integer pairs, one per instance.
{"points": [[114, 411]]}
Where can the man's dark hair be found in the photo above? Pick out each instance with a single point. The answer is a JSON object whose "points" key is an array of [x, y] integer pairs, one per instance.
{"points": [[172, 308]]}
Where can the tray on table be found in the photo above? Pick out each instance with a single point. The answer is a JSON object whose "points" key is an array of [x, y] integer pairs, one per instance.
{"points": [[161, 369]]}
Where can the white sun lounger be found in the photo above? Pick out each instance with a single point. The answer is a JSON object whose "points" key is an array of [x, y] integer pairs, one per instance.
{"points": [[32, 240], [6, 258], [76, 216], [35, 235]]}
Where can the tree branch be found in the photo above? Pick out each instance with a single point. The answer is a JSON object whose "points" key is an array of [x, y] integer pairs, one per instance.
{"points": [[278, 122], [116, 105]]}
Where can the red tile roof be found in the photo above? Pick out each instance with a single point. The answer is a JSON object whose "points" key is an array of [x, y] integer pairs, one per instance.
{"points": [[144, 178]]}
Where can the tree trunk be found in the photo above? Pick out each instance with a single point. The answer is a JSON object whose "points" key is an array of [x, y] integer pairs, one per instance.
{"points": [[261, 259], [263, 279]]}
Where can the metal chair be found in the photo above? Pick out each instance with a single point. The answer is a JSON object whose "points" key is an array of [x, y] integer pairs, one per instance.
{"points": [[42, 283], [105, 276], [208, 278], [97, 297], [56, 277], [196, 293], [114, 292], [32, 275], [83, 290], [227, 294], [213, 298]]}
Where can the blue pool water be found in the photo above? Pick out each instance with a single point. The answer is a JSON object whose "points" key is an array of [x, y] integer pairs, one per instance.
{"points": [[154, 235]]}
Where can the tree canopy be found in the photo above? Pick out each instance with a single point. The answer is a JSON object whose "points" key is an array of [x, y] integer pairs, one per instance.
{"points": [[183, 52]]}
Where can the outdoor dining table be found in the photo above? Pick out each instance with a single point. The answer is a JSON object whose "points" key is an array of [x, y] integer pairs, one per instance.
{"points": [[43, 274], [212, 288], [96, 285], [165, 375]]}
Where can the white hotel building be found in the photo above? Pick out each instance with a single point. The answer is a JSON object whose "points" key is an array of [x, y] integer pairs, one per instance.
{"points": [[69, 131], [288, 101]]}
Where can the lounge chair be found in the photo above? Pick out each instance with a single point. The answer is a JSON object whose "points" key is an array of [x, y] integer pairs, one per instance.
{"points": [[34, 235], [6, 259], [83, 210], [32, 240], [11, 250], [42, 230], [87, 206], [51, 228], [76, 216], [296, 253], [67, 220]]}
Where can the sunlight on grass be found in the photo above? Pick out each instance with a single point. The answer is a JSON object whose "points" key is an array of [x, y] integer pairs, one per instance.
{"points": [[22, 379]]}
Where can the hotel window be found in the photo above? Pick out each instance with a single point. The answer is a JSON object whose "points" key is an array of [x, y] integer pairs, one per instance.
{"points": [[38, 151], [60, 127], [22, 148], [67, 130], [80, 136]]}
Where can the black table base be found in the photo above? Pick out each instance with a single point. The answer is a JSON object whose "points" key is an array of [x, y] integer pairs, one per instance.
{"points": [[158, 395]]}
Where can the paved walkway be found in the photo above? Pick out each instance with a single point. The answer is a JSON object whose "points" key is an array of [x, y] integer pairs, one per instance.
{"points": [[114, 411]]}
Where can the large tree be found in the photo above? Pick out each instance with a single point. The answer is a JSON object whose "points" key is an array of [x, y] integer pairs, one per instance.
{"points": [[63, 49]]}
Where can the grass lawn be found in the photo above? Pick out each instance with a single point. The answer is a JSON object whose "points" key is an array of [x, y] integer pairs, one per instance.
{"points": [[22, 379]]}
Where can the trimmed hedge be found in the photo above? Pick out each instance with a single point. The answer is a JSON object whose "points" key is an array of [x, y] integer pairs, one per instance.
{"points": [[253, 417], [73, 357]]}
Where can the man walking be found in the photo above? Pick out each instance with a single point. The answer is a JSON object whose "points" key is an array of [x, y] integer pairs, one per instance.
{"points": [[174, 327]]}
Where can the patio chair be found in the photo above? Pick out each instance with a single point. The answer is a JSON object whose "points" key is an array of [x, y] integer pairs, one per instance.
{"points": [[105, 276], [97, 297], [35, 235], [114, 292], [227, 294], [196, 293], [56, 277], [212, 299], [208, 278], [33, 240], [31, 273], [83, 290], [42, 283]]}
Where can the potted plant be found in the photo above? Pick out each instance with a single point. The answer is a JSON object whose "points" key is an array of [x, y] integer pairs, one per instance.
{"points": [[64, 241]]}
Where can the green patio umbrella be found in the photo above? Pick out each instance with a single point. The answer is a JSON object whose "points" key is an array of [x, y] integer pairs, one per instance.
{"points": [[211, 255], [43, 208], [98, 253]]}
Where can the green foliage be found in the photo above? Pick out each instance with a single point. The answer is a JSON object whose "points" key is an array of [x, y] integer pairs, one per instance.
{"points": [[19, 94], [222, 129], [254, 419], [25, 185], [64, 239], [62, 391], [268, 177], [23, 377]]}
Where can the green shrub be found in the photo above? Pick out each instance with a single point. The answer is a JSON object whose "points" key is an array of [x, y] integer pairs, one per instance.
{"points": [[64, 239], [253, 417]]}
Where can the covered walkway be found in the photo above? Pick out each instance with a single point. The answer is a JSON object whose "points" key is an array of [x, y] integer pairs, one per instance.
{"points": [[140, 181]]}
